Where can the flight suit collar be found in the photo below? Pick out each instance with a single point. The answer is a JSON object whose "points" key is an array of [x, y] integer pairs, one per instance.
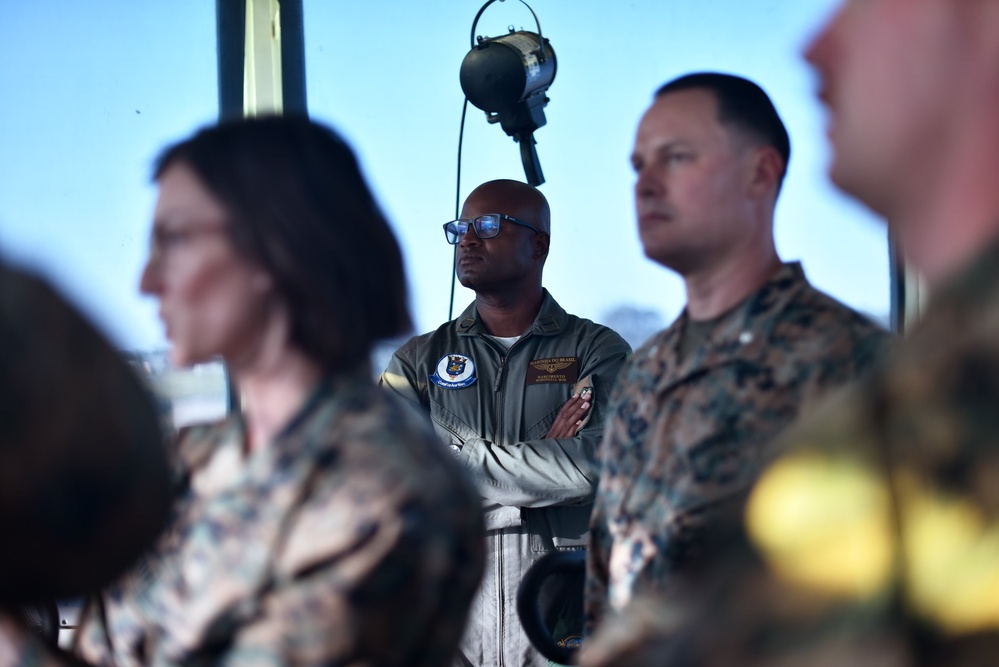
{"points": [[550, 320]]}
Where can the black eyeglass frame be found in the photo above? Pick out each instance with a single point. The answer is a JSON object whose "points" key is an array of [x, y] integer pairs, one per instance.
{"points": [[476, 224]]}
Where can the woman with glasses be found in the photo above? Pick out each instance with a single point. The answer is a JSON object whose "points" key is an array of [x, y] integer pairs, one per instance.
{"points": [[324, 524]]}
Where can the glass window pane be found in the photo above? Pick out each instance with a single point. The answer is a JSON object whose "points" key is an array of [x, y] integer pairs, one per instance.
{"points": [[92, 91], [389, 81]]}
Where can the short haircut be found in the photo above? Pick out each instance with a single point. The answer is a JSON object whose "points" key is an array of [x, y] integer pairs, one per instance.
{"points": [[741, 103], [299, 207]]}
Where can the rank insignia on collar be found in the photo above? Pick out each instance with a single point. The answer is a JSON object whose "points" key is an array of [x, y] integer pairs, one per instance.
{"points": [[454, 371]]}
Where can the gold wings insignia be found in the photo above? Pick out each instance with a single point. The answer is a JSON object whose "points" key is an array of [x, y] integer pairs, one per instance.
{"points": [[551, 366]]}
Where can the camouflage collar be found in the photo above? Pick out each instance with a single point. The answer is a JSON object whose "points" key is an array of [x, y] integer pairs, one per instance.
{"points": [[973, 289], [549, 322], [742, 334], [198, 444]]}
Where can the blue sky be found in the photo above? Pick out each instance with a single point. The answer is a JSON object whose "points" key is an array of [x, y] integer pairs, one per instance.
{"points": [[94, 90]]}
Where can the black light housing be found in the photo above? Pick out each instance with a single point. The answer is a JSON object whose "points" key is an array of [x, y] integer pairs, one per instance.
{"points": [[507, 77]]}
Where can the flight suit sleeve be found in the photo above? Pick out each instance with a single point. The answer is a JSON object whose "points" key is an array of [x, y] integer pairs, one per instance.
{"points": [[400, 377], [551, 471]]}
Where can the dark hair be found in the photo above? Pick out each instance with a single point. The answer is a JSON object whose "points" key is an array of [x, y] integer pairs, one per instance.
{"points": [[299, 206], [741, 103]]}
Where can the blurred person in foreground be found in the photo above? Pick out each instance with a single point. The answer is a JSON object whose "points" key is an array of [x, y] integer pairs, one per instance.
{"points": [[756, 345], [84, 477], [519, 388], [325, 524], [874, 538]]}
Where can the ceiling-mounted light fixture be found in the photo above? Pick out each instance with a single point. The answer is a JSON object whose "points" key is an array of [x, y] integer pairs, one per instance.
{"points": [[507, 77]]}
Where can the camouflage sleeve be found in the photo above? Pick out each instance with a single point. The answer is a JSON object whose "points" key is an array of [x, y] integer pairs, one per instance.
{"points": [[551, 471], [597, 549], [599, 539], [372, 574], [330, 615], [795, 587], [828, 347]]}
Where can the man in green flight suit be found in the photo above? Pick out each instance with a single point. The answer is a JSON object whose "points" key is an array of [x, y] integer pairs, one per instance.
{"points": [[518, 388]]}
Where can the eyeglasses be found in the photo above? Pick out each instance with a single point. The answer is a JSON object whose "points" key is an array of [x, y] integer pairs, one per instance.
{"points": [[486, 226], [167, 241]]}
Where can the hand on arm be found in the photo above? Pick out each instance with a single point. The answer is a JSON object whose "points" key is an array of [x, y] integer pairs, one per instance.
{"points": [[555, 469], [570, 417]]}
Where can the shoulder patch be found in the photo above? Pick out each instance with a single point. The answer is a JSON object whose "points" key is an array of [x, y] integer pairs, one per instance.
{"points": [[454, 371]]}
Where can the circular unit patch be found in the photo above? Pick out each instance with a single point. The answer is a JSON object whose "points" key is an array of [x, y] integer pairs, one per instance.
{"points": [[454, 371]]}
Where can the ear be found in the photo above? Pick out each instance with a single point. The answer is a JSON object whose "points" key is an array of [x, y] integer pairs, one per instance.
{"points": [[541, 243], [766, 167]]}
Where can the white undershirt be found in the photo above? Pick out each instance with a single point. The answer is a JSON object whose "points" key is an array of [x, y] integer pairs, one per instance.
{"points": [[506, 342]]}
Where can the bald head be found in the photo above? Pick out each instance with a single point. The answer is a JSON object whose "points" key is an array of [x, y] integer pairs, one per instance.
{"points": [[513, 198]]}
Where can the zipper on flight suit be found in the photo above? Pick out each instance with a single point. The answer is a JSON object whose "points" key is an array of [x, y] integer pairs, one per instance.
{"points": [[500, 405], [503, 355], [501, 616], [499, 373]]}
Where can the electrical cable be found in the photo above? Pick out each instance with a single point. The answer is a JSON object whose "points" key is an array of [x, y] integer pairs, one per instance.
{"points": [[461, 137], [457, 211]]}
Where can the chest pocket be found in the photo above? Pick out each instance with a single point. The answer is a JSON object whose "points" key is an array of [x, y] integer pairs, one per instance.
{"points": [[542, 403], [449, 426], [729, 417]]}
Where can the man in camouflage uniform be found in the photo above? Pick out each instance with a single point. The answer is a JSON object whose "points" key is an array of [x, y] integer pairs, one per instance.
{"points": [[518, 388], [874, 539], [756, 344]]}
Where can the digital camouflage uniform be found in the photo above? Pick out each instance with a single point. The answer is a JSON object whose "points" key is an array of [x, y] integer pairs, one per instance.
{"points": [[497, 405], [351, 539], [874, 538], [686, 437]]}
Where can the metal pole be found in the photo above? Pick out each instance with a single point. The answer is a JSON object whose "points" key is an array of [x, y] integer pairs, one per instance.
{"points": [[293, 58], [230, 17]]}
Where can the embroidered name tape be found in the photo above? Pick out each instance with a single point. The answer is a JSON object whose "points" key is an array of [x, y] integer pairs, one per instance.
{"points": [[454, 371], [562, 370]]}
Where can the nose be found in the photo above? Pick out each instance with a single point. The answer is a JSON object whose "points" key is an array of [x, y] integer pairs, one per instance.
{"points": [[818, 50], [470, 237], [647, 184], [150, 282]]}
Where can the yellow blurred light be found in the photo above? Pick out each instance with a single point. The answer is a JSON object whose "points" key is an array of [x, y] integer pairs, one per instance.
{"points": [[952, 559], [824, 522]]}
